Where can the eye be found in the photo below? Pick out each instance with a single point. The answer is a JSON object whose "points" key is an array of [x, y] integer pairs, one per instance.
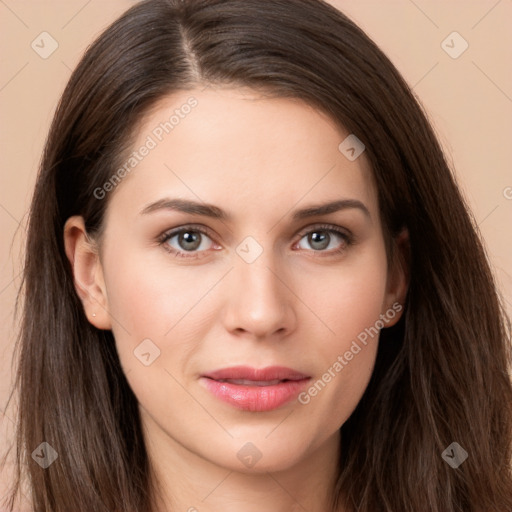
{"points": [[187, 239], [193, 241], [324, 237]]}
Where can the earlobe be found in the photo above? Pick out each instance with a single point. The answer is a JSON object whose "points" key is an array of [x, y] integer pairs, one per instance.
{"points": [[398, 278], [84, 259]]}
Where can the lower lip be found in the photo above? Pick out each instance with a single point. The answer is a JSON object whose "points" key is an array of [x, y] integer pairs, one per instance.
{"points": [[255, 398]]}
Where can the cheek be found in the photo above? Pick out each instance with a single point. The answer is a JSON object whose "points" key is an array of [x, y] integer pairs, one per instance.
{"points": [[349, 303], [150, 292], [159, 302], [346, 298], [156, 322], [344, 361]]}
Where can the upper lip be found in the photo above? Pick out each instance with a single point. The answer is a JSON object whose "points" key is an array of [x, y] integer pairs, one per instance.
{"points": [[255, 374]]}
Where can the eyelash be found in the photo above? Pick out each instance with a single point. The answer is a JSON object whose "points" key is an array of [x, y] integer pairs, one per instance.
{"points": [[348, 238]]}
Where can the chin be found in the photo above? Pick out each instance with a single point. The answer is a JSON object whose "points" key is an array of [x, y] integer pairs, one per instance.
{"points": [[255, 454]]}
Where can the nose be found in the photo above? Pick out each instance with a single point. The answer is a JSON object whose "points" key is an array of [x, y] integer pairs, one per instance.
{"points": [[259, 300]]}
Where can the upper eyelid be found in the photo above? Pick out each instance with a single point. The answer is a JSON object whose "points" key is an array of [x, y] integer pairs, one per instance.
{"points": [[324, 227], [187, 227]]}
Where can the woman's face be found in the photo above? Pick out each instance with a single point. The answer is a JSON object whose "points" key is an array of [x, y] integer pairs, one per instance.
{"points": [[257, 278]]}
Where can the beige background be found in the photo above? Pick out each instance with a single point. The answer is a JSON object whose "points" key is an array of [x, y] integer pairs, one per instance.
{"points": [[469, 100]]}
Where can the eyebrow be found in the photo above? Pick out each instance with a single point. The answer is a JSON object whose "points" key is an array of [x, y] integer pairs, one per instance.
{"points": [[209, 210]]}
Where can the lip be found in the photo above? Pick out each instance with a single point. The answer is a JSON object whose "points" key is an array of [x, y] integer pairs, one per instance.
{"points": [[263, 395]]}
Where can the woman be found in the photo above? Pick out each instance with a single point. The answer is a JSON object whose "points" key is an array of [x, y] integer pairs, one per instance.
{"points": [[210, 163]]}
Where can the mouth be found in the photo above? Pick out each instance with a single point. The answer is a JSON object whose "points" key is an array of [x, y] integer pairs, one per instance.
{"points": [[255, 390], [246, 382]]}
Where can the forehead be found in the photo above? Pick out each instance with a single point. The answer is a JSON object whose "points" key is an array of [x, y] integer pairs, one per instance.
{"points": [[237, 145]]}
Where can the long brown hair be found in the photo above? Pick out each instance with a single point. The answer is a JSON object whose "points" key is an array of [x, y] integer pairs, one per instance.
{"points": [[441, 374]]}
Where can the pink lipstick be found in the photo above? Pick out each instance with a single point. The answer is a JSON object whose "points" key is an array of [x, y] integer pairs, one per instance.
{"points": [[255, 390]]}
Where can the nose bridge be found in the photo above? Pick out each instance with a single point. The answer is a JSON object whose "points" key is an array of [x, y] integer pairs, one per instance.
{"points": [[259, 301]]}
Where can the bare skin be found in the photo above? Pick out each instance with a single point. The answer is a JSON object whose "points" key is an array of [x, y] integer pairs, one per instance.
{"points": [[301, 303]]}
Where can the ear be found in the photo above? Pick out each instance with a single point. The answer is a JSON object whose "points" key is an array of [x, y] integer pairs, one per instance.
{"points": [[83, 255], [398, 280]]}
